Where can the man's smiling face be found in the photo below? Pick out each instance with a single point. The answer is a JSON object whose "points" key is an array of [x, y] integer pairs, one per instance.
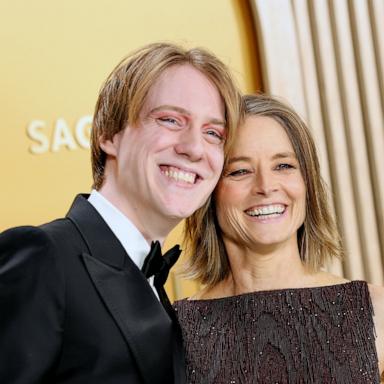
{"points": [[171, 160]]}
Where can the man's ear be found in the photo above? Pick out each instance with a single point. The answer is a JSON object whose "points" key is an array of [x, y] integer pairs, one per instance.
{"points": [[109, 146]]}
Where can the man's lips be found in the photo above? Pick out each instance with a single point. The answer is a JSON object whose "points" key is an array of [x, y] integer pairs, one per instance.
{"points": [[179, 174]]}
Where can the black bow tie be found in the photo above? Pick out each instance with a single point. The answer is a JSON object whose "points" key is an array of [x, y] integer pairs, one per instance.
{"points": [[158, 265]]}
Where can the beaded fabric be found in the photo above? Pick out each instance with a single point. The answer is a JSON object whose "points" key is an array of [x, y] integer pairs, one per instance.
{"points": [[296, 336]]}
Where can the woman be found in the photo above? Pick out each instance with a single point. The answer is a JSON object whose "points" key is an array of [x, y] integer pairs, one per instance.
{"points": [[268, 313]]}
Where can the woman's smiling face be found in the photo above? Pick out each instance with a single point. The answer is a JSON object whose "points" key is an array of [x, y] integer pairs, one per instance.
{"points": [[261, 196]]}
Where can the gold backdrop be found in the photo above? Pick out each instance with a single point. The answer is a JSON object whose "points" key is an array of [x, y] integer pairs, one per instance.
{"points": [[55, 55], [325, 57]]}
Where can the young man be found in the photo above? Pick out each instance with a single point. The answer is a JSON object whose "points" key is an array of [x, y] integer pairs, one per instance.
{"points": [[74, 304]]}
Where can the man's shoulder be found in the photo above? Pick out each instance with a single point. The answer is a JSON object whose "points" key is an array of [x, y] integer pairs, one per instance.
{"points": [[22, 235], [26, 251], [54, 229], [36, 247], [72, 234], [38, 233], [57, 231], [40, 238]]}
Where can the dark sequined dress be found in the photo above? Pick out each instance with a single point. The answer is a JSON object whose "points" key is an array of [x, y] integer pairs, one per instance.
{"points": [[305, 335]]}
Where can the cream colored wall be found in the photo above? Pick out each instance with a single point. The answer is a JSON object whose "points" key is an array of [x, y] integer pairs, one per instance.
{"points": [[54, 58], [333, 74]]}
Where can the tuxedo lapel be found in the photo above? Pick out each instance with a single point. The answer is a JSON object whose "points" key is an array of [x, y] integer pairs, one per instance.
{"points": [[142, 320], [140, 317]]}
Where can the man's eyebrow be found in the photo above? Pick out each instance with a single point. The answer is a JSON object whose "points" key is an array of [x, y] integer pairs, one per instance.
{"points": [[185, 112], [218, 122], [171, 107]]}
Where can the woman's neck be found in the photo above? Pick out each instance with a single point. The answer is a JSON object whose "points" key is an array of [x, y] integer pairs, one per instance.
{"points": [[256, 269], [270, 268]]}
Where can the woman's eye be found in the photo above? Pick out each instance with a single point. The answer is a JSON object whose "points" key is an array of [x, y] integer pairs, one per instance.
{"points": [[285, 166], [238, 172]]}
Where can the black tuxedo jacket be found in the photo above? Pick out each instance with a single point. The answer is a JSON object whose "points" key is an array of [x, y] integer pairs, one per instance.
{"points": [[75, 309]]}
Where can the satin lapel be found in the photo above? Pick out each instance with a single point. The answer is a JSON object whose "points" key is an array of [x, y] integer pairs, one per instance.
{"points": [[141, 318]]}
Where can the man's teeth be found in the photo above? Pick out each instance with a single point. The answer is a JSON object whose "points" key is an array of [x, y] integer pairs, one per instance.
{"points": [[178, 175], [266, 210]]}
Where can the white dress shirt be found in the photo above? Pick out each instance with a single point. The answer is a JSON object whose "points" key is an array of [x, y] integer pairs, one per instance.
{"points": [[129, 236]]}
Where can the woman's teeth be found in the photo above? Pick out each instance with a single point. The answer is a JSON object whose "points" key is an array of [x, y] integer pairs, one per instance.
{"points": [[266, 210]]}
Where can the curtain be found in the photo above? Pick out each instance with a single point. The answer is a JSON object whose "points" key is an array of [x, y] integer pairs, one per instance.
{"points": [[326, 58]]}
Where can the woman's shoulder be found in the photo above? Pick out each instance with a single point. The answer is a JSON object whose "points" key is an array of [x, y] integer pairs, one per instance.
{"points": [[323, 278], [202, 294], [376, 293], [216, 291], [199, 295], [377, 297]]}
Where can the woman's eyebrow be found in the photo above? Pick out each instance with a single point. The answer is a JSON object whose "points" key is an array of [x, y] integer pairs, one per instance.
{"points": [[238, 158], [283, 155]]}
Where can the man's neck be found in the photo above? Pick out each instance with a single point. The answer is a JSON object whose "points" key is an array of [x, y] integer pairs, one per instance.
{"points": [[150, 224]]}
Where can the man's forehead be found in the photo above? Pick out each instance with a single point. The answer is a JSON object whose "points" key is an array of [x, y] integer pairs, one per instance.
{"points": [[183, 111], [184, 87], [179, 72]]}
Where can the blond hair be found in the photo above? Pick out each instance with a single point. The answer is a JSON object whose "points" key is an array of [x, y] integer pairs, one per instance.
{"points": [[124, 92], [318, 237]]}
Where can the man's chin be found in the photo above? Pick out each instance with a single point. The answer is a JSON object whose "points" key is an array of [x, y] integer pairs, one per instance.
{"points": [[181, 213], [182, 207]]}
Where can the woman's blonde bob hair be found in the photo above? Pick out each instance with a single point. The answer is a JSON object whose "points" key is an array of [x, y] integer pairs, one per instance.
{"points": [[318, 237]]}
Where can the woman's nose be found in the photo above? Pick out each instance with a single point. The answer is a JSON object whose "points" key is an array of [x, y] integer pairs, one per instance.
{"points": [[264, 183]]}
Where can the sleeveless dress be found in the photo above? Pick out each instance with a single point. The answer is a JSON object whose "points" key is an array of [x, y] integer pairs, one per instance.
{"points": [[300, 335]]}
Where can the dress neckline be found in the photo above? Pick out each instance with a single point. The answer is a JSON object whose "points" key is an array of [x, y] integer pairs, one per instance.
{"points": [[279, 291]]}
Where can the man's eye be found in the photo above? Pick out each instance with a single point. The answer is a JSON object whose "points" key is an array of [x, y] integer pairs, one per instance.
{"points": [[168, 120], [215, 136]]}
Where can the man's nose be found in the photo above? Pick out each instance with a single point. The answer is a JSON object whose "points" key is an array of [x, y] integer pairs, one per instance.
{"points": [[191, 143]]}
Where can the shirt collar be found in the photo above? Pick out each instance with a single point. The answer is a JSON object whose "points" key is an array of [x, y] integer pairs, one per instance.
{"points": [[129, 236]]}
